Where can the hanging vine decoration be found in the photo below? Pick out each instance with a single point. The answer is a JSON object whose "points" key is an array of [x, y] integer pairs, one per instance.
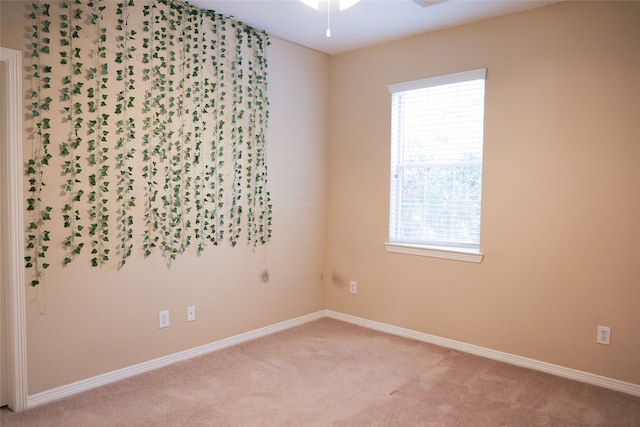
{"points": [[173, 199], [98, 146], [265, 206], [251, 140], [38, 237], [71, 90], [200, 122], [164, 121], [195, 46], [237, 139], [159, 127], [186, 133], [213, 98], [149, 170], [126, 129], [218, 52]]}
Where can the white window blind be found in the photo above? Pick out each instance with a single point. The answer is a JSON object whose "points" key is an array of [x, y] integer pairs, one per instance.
{"points": [[436, 161]]}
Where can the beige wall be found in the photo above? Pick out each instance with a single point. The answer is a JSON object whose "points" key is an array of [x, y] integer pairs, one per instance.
{"points": [[560, 207], [86, 321], [561, 189]]}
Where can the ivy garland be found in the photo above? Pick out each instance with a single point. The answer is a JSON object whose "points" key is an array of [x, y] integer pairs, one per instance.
{"points": [[98, 144], [216, 196], [173, 150], [149, 171], [71, 90], [38, 236], [126, 129], [196, 44], [259, 114], [237, 140]]}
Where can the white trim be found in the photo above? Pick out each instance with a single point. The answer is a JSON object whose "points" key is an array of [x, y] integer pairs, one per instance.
{"points": [[434, 252], [120, 374], [444, 79], [13, 245], [525, 362]]}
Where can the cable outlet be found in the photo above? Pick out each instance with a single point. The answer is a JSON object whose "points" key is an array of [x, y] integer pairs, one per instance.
{"points": [[353, 287], [604, 335], [163, 319], [191, 313]]}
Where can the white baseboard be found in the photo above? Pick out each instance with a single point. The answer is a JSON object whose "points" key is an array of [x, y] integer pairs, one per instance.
{"points": [[561, 371], [120, 374]]}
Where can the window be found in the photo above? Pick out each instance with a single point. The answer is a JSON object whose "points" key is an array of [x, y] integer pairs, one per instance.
{"points": [[436, 166]]}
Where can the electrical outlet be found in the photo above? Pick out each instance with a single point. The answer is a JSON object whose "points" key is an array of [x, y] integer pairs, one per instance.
{"points": [[163, 319], [191, 313], [604, 335], [353, 287]]}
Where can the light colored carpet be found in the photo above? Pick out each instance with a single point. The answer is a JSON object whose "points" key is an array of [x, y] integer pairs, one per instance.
{"points": [[330, 373]]}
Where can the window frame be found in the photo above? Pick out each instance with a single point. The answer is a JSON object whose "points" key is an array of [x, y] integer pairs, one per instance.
{"points": [[459, 253]]}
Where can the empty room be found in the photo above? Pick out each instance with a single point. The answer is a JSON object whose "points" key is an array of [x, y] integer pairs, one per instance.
{"points": [[329, 213]]}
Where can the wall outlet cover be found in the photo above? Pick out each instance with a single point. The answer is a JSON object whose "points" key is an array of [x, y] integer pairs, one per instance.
{"points": [[604, 335], [353, 287], [163, 319], [191, 313]]}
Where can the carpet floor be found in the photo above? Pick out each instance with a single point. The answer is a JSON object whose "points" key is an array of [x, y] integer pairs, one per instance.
{"points": [[330, 373]]}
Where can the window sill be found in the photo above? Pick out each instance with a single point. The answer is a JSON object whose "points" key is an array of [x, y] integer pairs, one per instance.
{"points": [[456, 254]]}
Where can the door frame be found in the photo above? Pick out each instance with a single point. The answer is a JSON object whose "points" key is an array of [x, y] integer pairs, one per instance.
{"points": [[13, 244]]}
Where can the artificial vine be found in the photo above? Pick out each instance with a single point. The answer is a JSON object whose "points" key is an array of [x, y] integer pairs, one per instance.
{"points": [[265, 206], [38, 236], [237, 139], [149, 171], [259, 200], [218, 91], [98, 144], [192, 154], [70, 17], [196, 45], [126, 129]]}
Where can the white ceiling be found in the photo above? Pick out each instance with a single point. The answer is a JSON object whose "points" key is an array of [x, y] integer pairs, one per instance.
{"points": [[367, 23]]}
